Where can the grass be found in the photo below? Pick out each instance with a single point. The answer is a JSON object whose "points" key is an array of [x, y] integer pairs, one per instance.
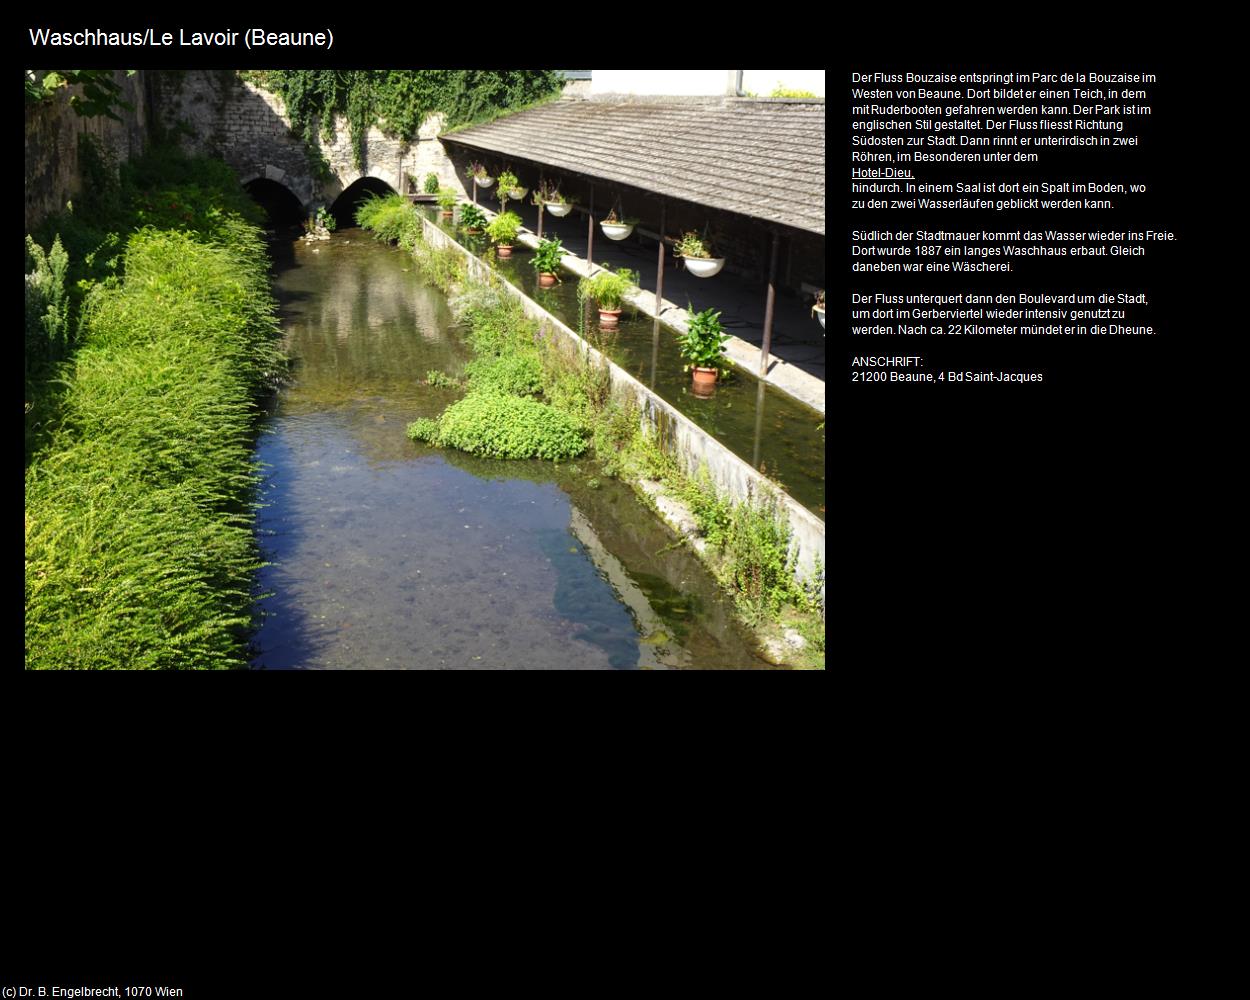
{"points": [[140, 550]]}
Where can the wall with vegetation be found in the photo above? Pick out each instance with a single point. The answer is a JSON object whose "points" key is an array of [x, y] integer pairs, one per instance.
{"points": [[319, 131], [53, 135]]}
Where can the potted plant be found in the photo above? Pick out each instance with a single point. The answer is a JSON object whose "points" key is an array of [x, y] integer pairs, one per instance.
{"points": [[518, 192], [472, 219], [703, 346], [507, 182], [503, 230], [608, 289], [477, 173], [431, 184], [546, 261], [698, 257], [553, 201], [616, 228], [818, 310], [447, 199]]}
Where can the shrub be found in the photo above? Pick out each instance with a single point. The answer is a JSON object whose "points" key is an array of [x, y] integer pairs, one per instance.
{"points": [[504, 227], [547, 256], [471, 217], [447, 199], [431, 184], [513, 374], [47, 310], [703, 343], [494, 425], [607, 288], [760, 559], [391, 217]]}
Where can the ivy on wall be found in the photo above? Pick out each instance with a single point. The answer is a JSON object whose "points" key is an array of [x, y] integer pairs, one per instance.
{"points": [[398, 101]]}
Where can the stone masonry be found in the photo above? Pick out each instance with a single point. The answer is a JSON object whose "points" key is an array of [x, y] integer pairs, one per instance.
{"points": [[53, 131], [218, 114]]}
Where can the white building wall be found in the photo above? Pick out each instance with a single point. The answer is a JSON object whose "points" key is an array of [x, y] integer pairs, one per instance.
{"points": [[762, 81]]}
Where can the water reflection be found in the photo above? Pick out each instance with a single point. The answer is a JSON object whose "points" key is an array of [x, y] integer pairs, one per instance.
{"points": [[389, 554]]}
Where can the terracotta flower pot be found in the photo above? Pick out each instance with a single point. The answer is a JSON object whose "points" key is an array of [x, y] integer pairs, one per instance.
{"points": [[472, 231], [609, 317], [503, 251], [704, 379], [546, 280], [446, 214]]}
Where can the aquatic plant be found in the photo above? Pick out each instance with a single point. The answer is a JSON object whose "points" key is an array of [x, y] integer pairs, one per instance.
{"points": [[495, 425]]}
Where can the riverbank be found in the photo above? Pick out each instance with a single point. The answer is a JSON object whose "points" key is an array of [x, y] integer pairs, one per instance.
{"points": [[140, 550], [747, 544]]}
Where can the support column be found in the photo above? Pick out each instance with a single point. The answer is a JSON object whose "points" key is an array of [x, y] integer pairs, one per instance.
{"points": [[768, 308], [659, 297], [590, 234]]}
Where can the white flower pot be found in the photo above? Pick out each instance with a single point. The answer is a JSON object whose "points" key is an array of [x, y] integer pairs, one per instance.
{"points": [[704, 267], [559, 211], [820, 315], [615, 230], [518, 193], [485, 183]]}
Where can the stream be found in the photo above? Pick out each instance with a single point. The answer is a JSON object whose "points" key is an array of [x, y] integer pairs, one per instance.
{"points": [[384, 553]]}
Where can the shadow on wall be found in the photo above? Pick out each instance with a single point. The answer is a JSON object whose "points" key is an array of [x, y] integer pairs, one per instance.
{"points": [[344, 207], [279, 202]]}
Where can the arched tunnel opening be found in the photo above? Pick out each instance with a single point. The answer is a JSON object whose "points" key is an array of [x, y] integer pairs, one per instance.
{"points": [[344, 207], [279, 203]]}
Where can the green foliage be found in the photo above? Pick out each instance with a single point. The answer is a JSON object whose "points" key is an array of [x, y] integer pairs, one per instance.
{"points": [[325, 219], [447, 198], [703, 343], [478, 171], [505, 184], [607, 288], [515, 374], [440, 380], [760, 561], [504, 227], [547, 256], [472, 217], [398, 101], [162, 188], [139, 540], [782, 91], [390, 217], [692, 245], [47, 308], [101, 94], [548, 193], [495, 425], [431, 184]]}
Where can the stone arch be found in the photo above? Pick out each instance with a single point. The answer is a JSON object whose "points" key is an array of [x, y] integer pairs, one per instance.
{"points": [[281, 204], [344, 206]]}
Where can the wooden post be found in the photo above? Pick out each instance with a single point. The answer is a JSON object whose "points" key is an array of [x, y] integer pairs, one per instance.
{"points": [[768, 307]]}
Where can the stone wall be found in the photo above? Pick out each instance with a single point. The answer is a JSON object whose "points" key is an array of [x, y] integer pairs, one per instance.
{"points": [[53, 132], [219, 114]]}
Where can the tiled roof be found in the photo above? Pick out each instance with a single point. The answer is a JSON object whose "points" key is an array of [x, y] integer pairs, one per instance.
{"points": [[761, 158]]}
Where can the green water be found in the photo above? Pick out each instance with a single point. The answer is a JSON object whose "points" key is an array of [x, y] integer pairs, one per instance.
{"points": [[757, 422], [385, 553]]}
